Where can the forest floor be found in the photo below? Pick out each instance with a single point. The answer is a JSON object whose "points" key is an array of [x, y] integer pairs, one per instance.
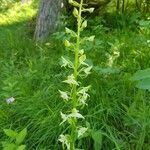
{"points": [[30, 72]]}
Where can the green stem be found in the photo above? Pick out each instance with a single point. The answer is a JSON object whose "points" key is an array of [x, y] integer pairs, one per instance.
{"points": [[74, 92], [76, 62]]}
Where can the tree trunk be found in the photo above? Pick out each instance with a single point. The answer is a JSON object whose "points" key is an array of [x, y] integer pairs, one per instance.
{"points": [[118, 6], [137, 5], [123, 6], [47, 20], [147, 6]]}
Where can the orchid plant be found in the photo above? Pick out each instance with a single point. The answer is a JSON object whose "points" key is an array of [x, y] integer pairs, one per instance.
{"points": [[77, 95]]}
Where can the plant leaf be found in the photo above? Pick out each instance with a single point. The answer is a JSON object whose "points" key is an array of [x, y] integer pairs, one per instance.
{"points": [[10, 133], [10, 147], [144, 84], [141, 74], [97, 137], [21, 136], [22, 147]]}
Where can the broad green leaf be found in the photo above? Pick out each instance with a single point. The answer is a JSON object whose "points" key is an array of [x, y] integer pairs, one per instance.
{"points": [[21, 136], [10, 133], [10, 147], [4, 143], [22, 147], [141, 74], [144, 84], [97, 137]]}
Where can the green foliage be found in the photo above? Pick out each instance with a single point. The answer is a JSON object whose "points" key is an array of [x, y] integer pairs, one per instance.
{"points": [[143, 78], [15, 141], [97, 137]]}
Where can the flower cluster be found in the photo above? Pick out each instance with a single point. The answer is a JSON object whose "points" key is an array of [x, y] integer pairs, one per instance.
{"points": [[78, 94]]}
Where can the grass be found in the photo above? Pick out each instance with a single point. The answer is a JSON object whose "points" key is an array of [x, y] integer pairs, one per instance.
{"points": [[31, 73]]}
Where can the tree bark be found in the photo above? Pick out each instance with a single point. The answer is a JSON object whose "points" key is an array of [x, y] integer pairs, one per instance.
{"points": [[47, 20], [123, 6], [118, 6], [147, 6]]}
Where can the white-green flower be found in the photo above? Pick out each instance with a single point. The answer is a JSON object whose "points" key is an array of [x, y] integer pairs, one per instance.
{"points": [[83, 90], [64, 95], [64, 139], [64, 117], [90, 10], [65, 62], [83, 95], [82, 131], [75, 114], [82, 99], [81, 52], [87, 70], [71, 80]]}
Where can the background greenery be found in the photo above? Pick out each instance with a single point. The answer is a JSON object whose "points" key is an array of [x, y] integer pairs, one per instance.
{"points": [[31, 73]]}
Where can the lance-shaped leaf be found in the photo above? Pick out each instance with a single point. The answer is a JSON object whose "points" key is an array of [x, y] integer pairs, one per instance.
{"points": [[74, 3], [71, 32], [84, 25], [75, 12]]}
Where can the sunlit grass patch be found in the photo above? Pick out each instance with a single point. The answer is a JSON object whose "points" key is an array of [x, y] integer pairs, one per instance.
{"points": [[17, 13]]}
